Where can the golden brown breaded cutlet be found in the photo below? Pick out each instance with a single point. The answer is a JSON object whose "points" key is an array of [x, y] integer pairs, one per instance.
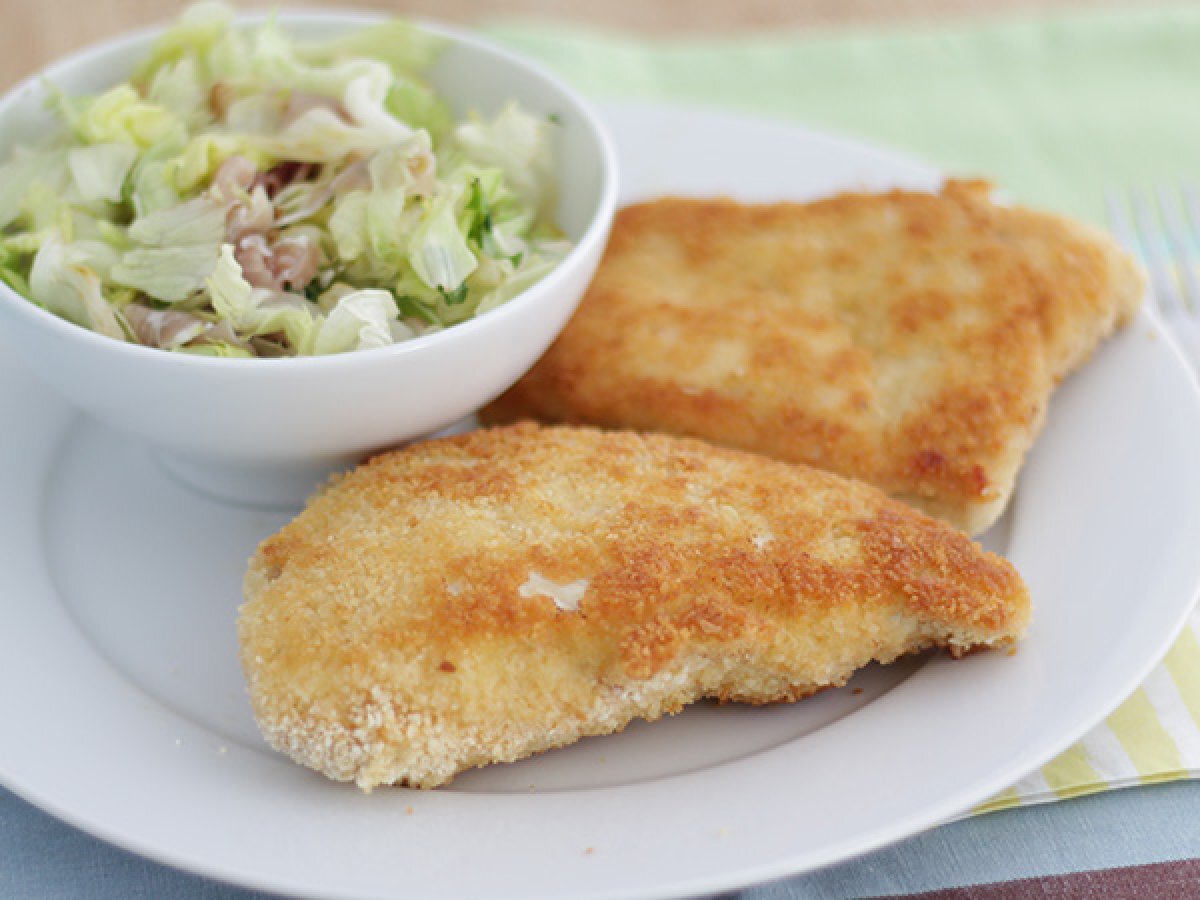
{"points": [[484, 597], [908, 339]]}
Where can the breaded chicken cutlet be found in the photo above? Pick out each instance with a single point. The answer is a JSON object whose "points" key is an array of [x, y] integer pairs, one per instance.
{"points": [[908, 339], [485, 597]]}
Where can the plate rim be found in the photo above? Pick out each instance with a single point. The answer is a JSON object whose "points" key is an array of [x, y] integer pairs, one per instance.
{"points": [[876, 837]]}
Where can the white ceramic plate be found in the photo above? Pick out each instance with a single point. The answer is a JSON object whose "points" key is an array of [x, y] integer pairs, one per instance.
{"points": [[124, 711]]}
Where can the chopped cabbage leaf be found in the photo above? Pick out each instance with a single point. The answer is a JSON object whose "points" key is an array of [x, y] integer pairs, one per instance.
{"points": [[438, 249], [360, 321], [251, 311], [99, 170], [518, 144], [196, 33], [175, 250], [61, 281], [121, 115]]}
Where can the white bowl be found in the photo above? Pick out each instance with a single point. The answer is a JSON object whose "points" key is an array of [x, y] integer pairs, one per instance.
{"points": [[265, 431]]}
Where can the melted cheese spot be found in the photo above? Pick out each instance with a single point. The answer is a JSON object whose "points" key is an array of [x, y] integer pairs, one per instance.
{"points": [[565, 596]]}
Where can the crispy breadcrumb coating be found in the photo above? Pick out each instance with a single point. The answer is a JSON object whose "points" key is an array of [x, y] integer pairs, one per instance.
{"points": [[909, 339], [484, 597]]}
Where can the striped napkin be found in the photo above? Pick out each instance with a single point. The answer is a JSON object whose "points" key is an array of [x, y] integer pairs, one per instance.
{"points": [[1055, 111], [1153, 736]]}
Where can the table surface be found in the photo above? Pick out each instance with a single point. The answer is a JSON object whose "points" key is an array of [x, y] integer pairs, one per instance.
{"points": [[40, 857], [36, 33]]}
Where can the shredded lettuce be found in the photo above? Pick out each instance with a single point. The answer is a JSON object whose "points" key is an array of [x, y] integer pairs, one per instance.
{"points": [[403, 46], [99, 171], [438, 249], [249, 194], [372, 231], [45, 208], [518, 144], [150, 185], [175, 250], [199, 160], [197, 221], [30, 169], [121, 115], [233, 297], [360, 321], [197, 31], [179, 87], [532, 270], [319, 136], [251, 311], [415, 102], [61, 281], [223, 350]]}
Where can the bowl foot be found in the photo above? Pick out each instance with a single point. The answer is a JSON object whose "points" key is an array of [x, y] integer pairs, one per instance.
{"points": [[268, 486]]}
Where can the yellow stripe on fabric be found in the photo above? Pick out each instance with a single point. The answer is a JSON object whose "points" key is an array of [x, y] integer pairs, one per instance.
{"points": [[1070, 773], [1150, 746], [1011, 798], [1164, 777], [1004, 800], [1183, 664], [1084, 790]]}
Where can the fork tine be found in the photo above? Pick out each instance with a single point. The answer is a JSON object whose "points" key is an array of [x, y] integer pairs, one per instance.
{"points": [[1123, 229], [1156, 255], [1182, 240], [1120, 224], [1191, 206], [1191, 211]]}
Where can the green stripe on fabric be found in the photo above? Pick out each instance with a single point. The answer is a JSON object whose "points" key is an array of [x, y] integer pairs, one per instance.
{"points": [[1150, 746], [1183, 664]]}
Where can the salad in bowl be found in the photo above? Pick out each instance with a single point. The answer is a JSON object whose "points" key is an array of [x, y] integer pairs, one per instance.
{"points": [[245, 193], [180, 203]]}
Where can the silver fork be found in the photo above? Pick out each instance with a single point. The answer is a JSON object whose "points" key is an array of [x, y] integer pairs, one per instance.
{"points": [[1162, 229]]}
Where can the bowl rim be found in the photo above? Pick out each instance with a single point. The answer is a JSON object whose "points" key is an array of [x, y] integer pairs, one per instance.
{"points": [[595, 233]]}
